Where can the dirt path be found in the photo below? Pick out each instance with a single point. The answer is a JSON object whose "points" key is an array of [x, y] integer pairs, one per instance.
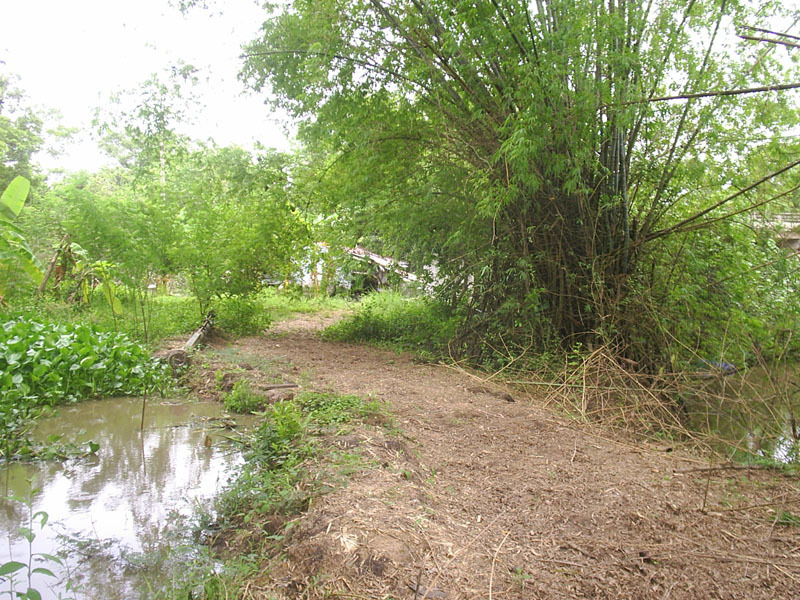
{"points": [[481, 497]]}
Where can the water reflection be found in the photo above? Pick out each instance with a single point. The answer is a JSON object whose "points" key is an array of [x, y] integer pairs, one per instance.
{"points": [[119, 501], [753, 411]]}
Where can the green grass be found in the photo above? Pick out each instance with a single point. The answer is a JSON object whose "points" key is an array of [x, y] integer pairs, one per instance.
{"points": [[164, 316], [159, 317], [283, 304], [787, 519], [420, 325], [274, 477]]}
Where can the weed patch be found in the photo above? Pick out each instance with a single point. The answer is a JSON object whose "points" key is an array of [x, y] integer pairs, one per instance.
{"points": [[327, 408], [418, 324], [242, 398], [280, 454]]}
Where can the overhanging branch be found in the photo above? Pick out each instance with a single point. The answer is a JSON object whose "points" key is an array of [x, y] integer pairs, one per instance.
{"points": [[754, 38], [683, 224], [736, 92]]}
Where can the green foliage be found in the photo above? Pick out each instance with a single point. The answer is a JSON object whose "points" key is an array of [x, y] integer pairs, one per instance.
{"points": [[138, 126], [204, 577], [166, 316], [12, 569], [332, 409], [277, 456], [242, 399], [787, 519], [221, 222], [536, 169], [277, 442], [15, 253], [218, 218], [731, 294], [237, 204], [45, 365], [272, 466], [21, 134], [418, 324], [241, 315], [283, 303]]}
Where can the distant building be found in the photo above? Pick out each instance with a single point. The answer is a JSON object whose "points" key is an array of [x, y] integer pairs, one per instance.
{"points": [[788, 234]]}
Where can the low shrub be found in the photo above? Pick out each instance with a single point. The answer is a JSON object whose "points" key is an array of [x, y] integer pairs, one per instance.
{"points": [[242, 399], [241, 315]]}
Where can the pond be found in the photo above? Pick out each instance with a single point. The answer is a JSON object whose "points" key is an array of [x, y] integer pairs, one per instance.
{"points": [[754, 413], [108, 512]]}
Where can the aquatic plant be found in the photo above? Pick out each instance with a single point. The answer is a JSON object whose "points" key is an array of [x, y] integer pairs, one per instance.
{"points": [[44, 365]]}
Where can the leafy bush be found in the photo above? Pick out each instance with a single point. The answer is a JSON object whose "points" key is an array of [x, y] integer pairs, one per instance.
{"points": [[731, 296], [171, 316], [417, 324], [241, 315], [46, 364], [242, 399]]}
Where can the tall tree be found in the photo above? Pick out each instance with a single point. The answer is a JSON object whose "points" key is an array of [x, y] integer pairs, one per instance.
{"points": [[540, 153], [141, 127], [21, 134], [237, 230]]}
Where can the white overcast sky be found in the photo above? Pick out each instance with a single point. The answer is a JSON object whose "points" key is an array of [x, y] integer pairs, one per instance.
{"points": [[71, 55]]}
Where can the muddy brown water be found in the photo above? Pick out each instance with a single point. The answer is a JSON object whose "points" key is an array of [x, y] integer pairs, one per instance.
{"points": [[110, 512], [754, 411]]}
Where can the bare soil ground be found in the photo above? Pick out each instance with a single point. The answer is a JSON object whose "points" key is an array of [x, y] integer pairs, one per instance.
{"points": [[485, 494]]}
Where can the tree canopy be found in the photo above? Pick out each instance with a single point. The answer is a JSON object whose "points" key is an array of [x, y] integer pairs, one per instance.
{"points": [[21, 133], [544, 156]]}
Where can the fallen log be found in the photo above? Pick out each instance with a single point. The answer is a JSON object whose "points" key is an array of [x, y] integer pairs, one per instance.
{"points": [[198, 335], [278, 386], [179, 357]]}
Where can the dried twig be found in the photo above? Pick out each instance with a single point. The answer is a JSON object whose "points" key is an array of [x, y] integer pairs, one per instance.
{"points": [[494, 561], [727, 468], [469, 544]]}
